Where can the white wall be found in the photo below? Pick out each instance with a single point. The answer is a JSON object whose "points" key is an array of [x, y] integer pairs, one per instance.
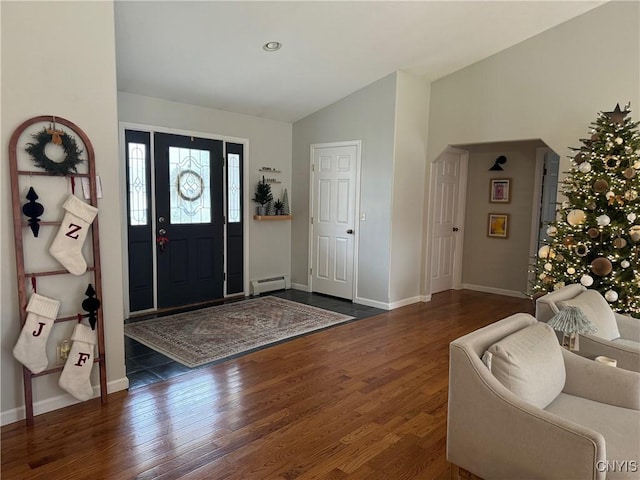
{"points": [[269, 145], [549, 87], [58, 58], [366, 115], [409, 180]]}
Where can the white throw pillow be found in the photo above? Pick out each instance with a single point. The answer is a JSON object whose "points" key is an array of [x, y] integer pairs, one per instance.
{"points": [[596, 309], [530, 364]]}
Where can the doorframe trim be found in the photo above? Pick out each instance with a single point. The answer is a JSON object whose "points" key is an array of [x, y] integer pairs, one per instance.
{"points": [[460, 215], [356, 215], [536, 205], [122, 126]]}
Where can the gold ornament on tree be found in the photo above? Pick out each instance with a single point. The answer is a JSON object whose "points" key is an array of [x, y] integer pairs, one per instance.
{"points": [[616, 198], [576, 217]]}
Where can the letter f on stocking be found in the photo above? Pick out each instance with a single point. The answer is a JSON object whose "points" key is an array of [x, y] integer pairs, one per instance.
{"points": [[82, 359], [75, 377]]}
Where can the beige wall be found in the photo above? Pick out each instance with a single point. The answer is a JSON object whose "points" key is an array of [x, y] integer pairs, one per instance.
{"points": [[390, 117], [58, 58], [269, 145], [366, 115], [499, 264], [549, 87], [408, 216]]}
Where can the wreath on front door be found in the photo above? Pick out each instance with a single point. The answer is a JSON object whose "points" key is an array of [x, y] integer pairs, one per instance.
{"points": [[57, 137]]}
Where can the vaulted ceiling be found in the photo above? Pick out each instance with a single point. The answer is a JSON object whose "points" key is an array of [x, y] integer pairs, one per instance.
{"points": [[210, 53]]}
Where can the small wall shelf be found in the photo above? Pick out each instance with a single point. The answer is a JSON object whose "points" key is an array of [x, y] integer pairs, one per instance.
{"points": [[268, 170], [264, 218]]}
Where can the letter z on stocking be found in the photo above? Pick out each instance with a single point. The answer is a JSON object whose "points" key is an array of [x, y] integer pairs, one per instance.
{"points": [[67, 246]]}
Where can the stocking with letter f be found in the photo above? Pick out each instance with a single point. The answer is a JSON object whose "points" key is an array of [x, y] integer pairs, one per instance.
{"points": [[75, 377]]}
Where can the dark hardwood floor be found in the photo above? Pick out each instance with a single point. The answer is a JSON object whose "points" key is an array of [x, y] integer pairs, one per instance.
{"points": [[146, 366], [362, 400]]}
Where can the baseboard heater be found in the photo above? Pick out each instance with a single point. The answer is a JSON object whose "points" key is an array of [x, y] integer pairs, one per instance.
{"points": [[262, 285]]}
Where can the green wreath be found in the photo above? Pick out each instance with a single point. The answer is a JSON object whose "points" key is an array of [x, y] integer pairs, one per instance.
{"points": [[58, 137]]}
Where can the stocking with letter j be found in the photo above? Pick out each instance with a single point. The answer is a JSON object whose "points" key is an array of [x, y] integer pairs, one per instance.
{"points": [[75, 376], [67, 246], [30, 350]]}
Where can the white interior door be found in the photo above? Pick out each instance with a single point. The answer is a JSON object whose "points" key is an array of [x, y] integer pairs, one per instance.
{"points": [[333, 219], [446, 223]]}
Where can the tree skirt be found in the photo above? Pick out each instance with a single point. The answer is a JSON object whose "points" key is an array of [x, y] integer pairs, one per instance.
{"points": [[210, 334]]}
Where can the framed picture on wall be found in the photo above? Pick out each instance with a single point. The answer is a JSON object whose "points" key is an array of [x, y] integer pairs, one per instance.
{"points": [[500, 191], [498, 225]]}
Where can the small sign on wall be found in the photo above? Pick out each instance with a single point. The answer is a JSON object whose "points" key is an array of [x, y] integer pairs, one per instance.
{"points": [[86, 189]]}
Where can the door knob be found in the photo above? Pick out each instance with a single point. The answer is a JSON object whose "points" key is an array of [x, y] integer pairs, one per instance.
{"points": [[162, 231], [455, 229], [160, 219], [350, 231]]}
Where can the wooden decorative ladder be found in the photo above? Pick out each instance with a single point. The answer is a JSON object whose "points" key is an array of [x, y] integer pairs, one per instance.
{"points": [[20, 224]]}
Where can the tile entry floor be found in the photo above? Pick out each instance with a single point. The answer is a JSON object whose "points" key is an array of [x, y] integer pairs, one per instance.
{"points": [[146, 366]]}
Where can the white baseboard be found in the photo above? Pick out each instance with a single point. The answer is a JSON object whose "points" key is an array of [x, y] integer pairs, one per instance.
{"points": [[57, 402], [372, 303], [497, 291], [298, 286], [392, 305], [404, 302]]}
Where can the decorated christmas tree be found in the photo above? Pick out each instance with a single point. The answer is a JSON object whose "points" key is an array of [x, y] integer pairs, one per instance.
{"points": [[595, 240]]}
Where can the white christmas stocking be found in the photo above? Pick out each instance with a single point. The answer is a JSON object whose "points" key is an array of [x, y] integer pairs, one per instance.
{"points": [[67, 246], [77, 369], [30, 350]]}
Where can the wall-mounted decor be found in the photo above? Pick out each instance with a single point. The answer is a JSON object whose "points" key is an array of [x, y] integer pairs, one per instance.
{"points": [[500, 190], [498, 225], [497, 166]]}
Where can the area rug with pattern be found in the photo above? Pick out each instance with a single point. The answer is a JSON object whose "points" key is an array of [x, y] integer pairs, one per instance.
{"points": [[203, 336]]}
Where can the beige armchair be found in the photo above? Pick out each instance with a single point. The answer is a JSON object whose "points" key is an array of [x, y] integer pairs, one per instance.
{"points": [[533, 410], [618, 336]]}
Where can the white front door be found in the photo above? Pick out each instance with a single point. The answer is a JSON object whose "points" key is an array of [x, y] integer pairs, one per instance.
{"points": [[446, 226], [333, 219]]}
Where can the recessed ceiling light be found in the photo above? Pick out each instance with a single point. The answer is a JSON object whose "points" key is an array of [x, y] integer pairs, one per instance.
{"points": [[272, 46]]}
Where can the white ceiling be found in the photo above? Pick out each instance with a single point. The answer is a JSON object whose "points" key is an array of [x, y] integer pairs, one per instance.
{"points": [[209, 53]]}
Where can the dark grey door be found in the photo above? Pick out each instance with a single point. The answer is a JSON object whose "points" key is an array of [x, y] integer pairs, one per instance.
{"points": [[235, 221], [189, 219], [139, 222]]}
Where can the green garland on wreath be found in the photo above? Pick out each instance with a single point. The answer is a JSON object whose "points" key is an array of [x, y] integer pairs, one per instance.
{"points": [[58, 137]]}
